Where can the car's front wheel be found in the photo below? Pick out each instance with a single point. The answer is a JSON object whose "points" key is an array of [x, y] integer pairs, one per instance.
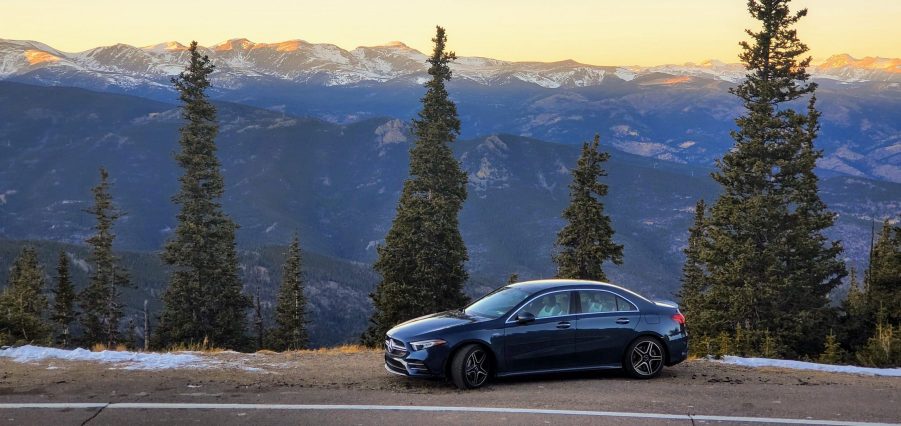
{"points": [[471, 367], [644, 358]]}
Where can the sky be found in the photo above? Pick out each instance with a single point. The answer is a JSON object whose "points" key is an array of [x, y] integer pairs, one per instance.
{"points": [[600, 32]]}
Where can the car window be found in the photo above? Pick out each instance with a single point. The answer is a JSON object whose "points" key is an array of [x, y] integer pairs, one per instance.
{"points": [[549, 305], [597, 301], [497, 303], [624, 305]]}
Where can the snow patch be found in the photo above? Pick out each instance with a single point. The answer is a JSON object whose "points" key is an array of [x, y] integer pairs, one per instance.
{"points": [[6, 193], [123, 360], [624, 130], [392, 132], [801, 365]]}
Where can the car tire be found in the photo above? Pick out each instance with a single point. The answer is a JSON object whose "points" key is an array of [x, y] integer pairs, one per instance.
{"points": [[644, 358], [471, 367]]}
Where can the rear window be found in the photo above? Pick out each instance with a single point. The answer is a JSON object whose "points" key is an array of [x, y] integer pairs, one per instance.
{"points": [[598, 301], [624, 305]]}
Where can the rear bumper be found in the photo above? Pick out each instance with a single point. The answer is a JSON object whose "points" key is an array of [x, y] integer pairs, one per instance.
{"points": [[677, 346]]}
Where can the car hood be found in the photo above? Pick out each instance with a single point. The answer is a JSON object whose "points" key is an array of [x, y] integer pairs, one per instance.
{"points": [[431, 323]]}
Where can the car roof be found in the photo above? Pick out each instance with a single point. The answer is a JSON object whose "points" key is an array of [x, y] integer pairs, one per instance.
{"points": [[541, 285]]}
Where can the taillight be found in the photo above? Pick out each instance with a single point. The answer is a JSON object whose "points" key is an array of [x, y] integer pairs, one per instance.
{"points": [[679, 318]]}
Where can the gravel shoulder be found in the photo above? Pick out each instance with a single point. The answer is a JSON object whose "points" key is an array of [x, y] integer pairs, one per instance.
{"points": [[334, 377]]}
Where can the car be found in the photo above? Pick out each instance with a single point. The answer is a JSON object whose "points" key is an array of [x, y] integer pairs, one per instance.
{"points": [[539, 327]]}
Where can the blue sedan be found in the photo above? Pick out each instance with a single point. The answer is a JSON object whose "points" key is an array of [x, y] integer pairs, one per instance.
{"points": [[540, 327]]}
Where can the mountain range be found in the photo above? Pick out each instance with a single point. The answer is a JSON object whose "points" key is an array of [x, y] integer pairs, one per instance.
{"points": [[679, 113], [303, 62], [338, 184]]}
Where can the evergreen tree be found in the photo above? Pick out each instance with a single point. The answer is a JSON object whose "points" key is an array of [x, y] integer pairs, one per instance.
{"points": [[856, 302], [22, 303], [513, 278], [421, 262], [692, 293], [99, 302], [258, 324], [832, 351], [290, 332], [203, 302], [64, 301], [768, 262], [883, 279], [855, 323], [131, 335], [586, 241]]}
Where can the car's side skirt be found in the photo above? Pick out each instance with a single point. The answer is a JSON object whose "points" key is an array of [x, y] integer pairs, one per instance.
{"points": [[559, 370]]}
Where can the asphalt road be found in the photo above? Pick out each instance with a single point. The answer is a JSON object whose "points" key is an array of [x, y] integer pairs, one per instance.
{"points": [[300, 384]]}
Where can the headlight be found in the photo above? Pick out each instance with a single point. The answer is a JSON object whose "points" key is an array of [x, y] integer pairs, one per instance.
{"points": [[425, 344]]}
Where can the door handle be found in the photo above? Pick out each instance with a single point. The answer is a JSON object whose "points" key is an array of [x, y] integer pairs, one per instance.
{"points": [[622, 320], [563, 324]]}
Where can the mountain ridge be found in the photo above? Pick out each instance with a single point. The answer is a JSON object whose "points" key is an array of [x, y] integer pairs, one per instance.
{"points": [[299, 60], [338, 184]]}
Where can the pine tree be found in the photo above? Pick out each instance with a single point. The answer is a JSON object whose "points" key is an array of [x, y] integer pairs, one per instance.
{"points": [[586, 241], [203, 301], [832, 351], [422, 260], [768, 263], [101, 309], [290, 332], [692, 293], [513, 278], [258, 324], [883, 279], [131, 335], [22, 303], [855, 324], [856, 302], [64, 301]]}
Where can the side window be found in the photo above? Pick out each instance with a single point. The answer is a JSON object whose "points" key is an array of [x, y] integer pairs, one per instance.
{"points": [[593, 302], [624, 305], [549, 305]]}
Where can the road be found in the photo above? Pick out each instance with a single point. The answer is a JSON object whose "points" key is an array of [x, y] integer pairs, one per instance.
{"points": [[352, 388]]}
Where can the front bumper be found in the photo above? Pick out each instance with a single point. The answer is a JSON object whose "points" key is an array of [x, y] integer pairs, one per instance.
{"points": [[405, 367], [402, 360]]}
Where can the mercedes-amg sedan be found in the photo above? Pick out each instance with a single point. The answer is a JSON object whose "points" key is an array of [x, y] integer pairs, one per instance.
{"points": [[539, 327]]}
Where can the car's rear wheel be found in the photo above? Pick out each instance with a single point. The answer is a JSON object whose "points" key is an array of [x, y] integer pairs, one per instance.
{"points": [[644, 358], [471, 367]]}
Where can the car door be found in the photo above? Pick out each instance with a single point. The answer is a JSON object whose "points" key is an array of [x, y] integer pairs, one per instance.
{"points": [[547, 342], [606, 325]]}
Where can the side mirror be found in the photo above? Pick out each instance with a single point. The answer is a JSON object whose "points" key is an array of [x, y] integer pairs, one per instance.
{"points": [[524, 317]]}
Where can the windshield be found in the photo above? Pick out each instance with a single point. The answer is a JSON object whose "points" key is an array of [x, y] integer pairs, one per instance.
{"points": [[497, 303]]}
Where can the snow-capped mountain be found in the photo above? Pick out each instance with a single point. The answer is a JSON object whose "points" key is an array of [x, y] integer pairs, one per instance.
{"points": [[329, 65], [294, 60], [676, 113]]}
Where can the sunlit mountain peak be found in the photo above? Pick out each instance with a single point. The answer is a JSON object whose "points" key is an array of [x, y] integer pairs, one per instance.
{"points": [[35, 57], [234, 44]]}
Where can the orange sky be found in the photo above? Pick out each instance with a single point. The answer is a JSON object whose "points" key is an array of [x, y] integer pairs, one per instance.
{"points": [[603, 32]]}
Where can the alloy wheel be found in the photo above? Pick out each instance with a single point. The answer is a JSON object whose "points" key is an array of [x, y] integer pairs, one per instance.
{"points": [[647, 358], [477, 368]]}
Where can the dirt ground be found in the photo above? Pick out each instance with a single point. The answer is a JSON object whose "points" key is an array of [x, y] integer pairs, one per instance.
{"points": [[334, 377]]}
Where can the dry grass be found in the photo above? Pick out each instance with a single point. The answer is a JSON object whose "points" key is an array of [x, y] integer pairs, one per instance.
{"points": [[344, 349], [205, 346], [100, 347]]}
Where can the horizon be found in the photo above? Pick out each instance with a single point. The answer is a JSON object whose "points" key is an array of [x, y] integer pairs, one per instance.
{"points": [[648, 33], [700, 61]]}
